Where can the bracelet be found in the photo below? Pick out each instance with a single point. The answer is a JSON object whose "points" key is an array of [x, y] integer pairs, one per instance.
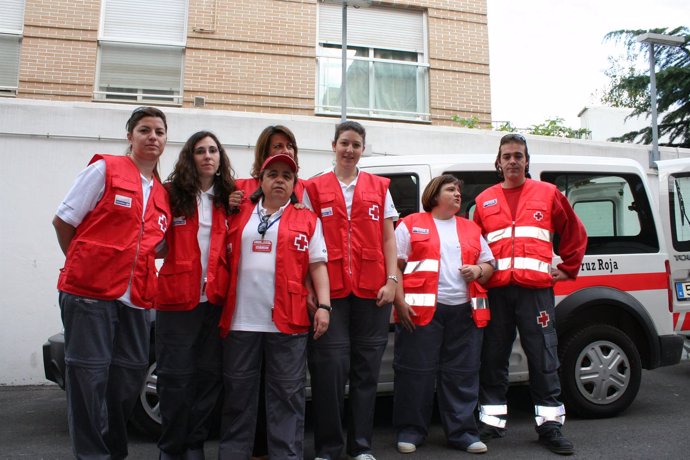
{"points": [[394, 278], [328, 308], [481, 271]]}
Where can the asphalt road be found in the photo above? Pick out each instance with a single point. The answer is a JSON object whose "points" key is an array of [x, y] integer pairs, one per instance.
{"points": [[657, 426]]}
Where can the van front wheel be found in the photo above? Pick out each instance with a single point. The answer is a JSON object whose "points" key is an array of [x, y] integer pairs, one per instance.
{"points": [[600, 371]]}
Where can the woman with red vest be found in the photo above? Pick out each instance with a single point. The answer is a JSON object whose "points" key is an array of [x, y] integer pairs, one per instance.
{"points": [[437, 343], [192, 286], [109, 226], [272, 248], [357, 213], [273, 140]]}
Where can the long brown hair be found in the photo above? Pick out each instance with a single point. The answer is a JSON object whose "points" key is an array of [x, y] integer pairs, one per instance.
{"points": [[184, 184], [263, 146]]}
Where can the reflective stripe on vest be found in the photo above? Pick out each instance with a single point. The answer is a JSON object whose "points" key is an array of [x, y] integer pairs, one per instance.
{"points": [[520, 232], [543, 414], [426, 265], [421, 300], [524, 263]]}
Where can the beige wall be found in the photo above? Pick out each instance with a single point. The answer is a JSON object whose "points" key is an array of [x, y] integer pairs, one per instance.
{"points": [[256, 55]]}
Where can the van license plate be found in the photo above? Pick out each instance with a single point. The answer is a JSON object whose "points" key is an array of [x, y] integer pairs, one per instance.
{"points": [[683, 291]]}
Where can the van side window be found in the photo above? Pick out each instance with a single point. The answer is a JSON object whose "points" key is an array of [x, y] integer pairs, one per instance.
{"points": [[473, 183], [679, 200], [615, 210], [405, 191]]}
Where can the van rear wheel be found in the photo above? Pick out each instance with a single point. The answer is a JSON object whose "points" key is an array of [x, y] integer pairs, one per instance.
{"points": [[600, 371]]}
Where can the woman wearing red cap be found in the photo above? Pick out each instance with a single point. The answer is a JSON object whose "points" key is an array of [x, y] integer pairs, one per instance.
{"points": [[272, 248]]}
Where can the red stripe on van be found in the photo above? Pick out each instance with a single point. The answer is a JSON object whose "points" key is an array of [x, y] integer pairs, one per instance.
{"points": [[681, 322], [628, 282]]}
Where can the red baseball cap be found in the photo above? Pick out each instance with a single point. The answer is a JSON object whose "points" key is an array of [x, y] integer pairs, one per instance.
{"points": [[280, 158]]}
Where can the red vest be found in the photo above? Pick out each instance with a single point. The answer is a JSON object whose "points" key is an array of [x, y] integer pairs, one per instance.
{"points": [[179, 281], [522, 248], [112, 245], [355, 247], [292, 263], [420, 280]]}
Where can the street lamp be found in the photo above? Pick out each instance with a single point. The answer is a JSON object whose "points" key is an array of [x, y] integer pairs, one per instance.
{"points": [[343, 46], [663, 40]]}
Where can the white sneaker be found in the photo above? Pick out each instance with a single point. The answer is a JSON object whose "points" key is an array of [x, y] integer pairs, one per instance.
{"points": [[363, 457], [406, 447], [477, 448]]}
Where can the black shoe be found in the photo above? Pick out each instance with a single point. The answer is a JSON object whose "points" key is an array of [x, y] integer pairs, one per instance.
{"points": [[556, 442], [488, 432]]}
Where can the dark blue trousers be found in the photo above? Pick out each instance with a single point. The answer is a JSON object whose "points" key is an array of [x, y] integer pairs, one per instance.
{"points": [[188, 355], [106, 357], [532, 311], [285, 366], [443, 356], [352, 350]]}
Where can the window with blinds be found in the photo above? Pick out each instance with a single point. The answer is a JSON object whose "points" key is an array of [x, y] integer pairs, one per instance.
{"points": [[11, 30], [141, 51], [387, 66]]}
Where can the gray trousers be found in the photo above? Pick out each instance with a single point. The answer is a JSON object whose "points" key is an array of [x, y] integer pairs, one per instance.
{"points": [[106, 357], [351, 349], [188, 356], [533, 312], [442, 355], [285, 363]]}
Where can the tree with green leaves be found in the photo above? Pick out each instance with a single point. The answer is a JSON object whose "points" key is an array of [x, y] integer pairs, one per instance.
{"points": [[629, 85]]}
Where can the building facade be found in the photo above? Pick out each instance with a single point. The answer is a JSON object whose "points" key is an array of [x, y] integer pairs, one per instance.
{"points": [[408, 60]]}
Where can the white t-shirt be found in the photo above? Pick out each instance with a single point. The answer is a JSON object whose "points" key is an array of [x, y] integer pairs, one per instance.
{"points": [[86, 192], [256, 272], [349, 194], [204, 211], [452, 289]]}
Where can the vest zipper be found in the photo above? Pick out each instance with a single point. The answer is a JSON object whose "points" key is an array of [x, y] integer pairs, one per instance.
{"points": [[136, 254]]}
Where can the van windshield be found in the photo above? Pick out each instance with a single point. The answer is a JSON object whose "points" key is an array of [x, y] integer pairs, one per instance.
{"points": [[679, 197]]}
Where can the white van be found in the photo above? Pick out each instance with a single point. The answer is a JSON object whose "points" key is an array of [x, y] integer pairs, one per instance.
{"points": [[622, 313]]}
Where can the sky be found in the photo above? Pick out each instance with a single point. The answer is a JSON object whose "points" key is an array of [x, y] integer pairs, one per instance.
{"points": [[548, 57]]}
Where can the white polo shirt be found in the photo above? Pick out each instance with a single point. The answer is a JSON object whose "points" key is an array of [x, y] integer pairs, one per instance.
{"points": [[349, 194], [256, 272], [82, 198], [452, 288]]}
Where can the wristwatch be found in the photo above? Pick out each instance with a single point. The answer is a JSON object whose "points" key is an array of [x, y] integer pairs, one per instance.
{"points": [[328, 308], [394, 278]]}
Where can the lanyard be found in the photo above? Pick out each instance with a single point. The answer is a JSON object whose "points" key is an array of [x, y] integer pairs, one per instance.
{"points": [[265, 223]]}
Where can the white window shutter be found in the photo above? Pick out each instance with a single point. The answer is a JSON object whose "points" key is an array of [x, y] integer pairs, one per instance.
{"points": [[162, 22], [9, 59], [142, 67], [374, 27], [12, 17]]}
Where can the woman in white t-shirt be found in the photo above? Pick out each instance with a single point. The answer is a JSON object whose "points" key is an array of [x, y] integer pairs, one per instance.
{"points": [[442, 257], [192, 285]]}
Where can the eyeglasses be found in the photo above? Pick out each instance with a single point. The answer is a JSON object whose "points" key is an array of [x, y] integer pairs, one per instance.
{"points": [[513, 137], [263, 225]]}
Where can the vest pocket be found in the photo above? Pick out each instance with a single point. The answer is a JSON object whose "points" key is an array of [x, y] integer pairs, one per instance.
{"points": [[335, 269], [297, 305], [175, 283], [103, 270], [370, 273]]}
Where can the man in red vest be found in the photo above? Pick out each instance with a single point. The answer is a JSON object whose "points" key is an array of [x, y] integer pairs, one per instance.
{"points": [[519, 218]]}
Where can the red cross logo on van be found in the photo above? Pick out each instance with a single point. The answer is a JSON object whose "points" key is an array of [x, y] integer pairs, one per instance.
{"points": [[301, 242], [543, 319], [538, 216], [374, 212]]}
